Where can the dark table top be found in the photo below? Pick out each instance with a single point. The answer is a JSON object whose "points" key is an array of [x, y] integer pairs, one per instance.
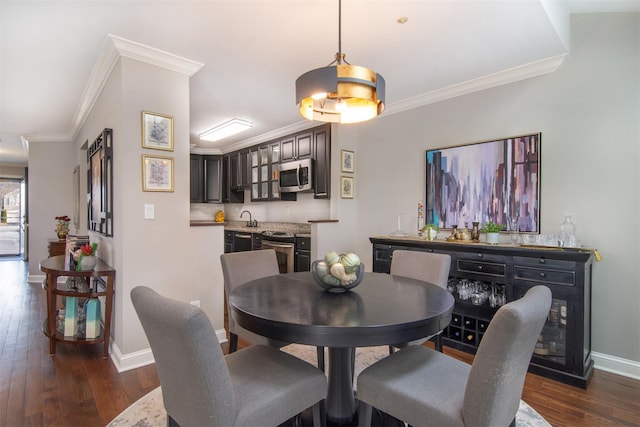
{"points": [[383, 309]]}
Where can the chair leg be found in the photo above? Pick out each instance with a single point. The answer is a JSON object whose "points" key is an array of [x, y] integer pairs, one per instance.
{"points": [[233, 342], [391, 349], [320, 353], [438, 343], [319, 417], [364, 414]]}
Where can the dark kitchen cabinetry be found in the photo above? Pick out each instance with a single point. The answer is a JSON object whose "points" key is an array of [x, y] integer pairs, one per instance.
{"points": [[302, 254], [257, 169], [322, 164], [212, 179], [239, 169], [230, 194], [228, 241], [260, 173], [484, 277], [205, 179], [197, 183], [299, 146]]}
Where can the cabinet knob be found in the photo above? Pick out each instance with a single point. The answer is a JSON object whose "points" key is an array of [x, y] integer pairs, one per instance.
{"points": [[542, 261], [479, 268], [479, 255], [542, 275]]}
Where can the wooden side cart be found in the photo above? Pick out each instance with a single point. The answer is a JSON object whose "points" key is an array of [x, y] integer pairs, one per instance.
{"points": [[101, 284]]}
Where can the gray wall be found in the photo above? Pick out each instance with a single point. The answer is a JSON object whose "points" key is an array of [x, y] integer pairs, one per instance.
{"points": [[588, 113]]}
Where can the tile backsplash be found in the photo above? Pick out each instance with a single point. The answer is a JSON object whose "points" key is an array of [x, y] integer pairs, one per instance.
{"points": [[304, 209]]}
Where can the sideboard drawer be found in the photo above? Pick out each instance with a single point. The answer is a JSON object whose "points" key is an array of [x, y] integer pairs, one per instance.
{"points": [[543, 262], [485, 268], [556, 277]]}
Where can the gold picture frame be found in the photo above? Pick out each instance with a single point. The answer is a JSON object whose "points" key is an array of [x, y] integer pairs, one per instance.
{"points": [[157, 131], [157, 173], [347, 187], [347, 161]]}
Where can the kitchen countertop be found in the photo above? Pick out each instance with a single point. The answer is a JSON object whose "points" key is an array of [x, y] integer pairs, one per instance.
{"points": [[205, 223]]}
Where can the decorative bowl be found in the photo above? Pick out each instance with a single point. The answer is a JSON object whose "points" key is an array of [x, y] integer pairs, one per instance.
{"points": [[335, 288]]}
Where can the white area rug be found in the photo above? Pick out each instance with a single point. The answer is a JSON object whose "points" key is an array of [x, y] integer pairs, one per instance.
{"points": [[149, 411]]}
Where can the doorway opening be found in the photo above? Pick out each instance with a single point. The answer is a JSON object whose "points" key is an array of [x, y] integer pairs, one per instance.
{"points": [[12, 217]]}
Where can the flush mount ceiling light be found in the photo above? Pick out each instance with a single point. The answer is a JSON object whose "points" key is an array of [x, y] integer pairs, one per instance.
{"points": [[340, 93], [225, 129]]}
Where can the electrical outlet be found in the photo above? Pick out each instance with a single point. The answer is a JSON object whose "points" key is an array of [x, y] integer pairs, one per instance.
{"points": [[196, 303]]}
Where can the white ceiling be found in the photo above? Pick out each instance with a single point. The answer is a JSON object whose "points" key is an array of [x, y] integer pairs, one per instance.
{"points": [[253, 51]]}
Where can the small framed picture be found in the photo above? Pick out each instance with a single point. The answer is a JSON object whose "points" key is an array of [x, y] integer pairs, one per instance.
{"points": [[157, 131], [347, 161], [347, 190], [157, 173]]}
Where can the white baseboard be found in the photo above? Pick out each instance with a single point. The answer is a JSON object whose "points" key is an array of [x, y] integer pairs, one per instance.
{"points": [[616, 365], [137, 359], [35, 278]]}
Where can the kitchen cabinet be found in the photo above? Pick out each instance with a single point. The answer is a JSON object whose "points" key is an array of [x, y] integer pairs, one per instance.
{"points": [[257, 168], [299, 146], [260, 173], [228, 241], [196, 178], [205, 178], [484, 277], [302, 254], [212, 179], [265, 162], [322, 162], [230, 194], [239, 169]]}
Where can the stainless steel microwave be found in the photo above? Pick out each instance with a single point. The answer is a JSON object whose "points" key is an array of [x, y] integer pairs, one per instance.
{"points": [[296, 176]]}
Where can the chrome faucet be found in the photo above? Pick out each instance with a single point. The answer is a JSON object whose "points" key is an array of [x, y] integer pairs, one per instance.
{"points": [[250, 223]]}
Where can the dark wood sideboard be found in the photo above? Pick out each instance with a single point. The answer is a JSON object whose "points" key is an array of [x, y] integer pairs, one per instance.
{"points": [[482, 275]]}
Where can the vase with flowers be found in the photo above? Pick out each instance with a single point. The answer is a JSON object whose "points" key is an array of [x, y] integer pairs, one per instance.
{"points": [[85, 257], [62, 226]]}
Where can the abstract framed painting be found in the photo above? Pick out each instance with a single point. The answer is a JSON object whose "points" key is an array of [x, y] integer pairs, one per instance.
{"points": [[495, 181]]}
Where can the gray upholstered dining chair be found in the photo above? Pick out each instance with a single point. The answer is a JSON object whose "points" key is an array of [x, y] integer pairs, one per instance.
{"points": [[259, 385], [423, 387], [239, 268], [427, 266]]}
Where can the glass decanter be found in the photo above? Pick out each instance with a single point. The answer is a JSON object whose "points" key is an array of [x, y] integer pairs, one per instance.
{"points": [[567, 232]]}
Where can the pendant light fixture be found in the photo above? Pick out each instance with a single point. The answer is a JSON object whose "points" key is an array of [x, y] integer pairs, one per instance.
{"points": [[340, 92]]}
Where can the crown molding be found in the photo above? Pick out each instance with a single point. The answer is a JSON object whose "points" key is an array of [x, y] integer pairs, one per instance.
{"points": [[113, 49], [153, 56], [515, 74], [116, 47]]}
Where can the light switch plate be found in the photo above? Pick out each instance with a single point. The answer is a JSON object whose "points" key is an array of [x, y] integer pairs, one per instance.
{"points": [[149, 211]]}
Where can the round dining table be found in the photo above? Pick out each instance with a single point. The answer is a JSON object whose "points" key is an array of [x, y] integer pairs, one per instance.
{"points": [[382, 310]]}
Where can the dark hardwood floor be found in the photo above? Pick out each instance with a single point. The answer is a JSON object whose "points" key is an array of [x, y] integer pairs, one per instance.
{"points": [[79, 388]]}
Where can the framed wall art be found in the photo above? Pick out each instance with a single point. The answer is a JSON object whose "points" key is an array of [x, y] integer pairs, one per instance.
{"points": [[347, 161], [493, 180], [157, 131], [347, 190], [100, 183], [157, 173]]}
